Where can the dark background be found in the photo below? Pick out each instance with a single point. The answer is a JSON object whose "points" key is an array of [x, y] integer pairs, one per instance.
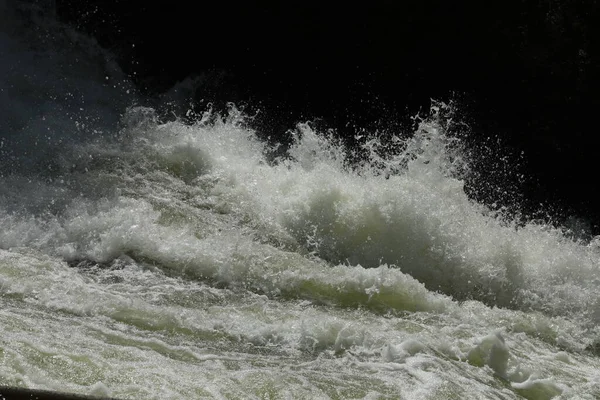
{"points": [[526, 72]]}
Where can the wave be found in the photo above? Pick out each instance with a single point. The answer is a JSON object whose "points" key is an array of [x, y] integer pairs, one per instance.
{"points": [[85, 174], [203, 201]]}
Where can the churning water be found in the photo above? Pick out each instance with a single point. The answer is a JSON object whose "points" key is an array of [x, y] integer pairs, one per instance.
{"points": [[142, 259]]}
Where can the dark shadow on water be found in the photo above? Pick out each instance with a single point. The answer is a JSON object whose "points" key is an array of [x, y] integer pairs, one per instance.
{"points": [[15, 393]]}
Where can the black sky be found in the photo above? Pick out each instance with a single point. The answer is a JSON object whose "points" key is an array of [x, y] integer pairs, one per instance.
{"points": [[527, 71]]}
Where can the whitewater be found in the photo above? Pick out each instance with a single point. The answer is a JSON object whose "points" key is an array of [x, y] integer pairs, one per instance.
{"points": [[146, 258]]}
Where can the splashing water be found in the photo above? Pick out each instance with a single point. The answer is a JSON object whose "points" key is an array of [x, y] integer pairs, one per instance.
{"points": [[167, 260]]}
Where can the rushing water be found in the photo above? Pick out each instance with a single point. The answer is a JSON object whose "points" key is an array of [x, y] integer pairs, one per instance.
{"points": [[141, 259]]}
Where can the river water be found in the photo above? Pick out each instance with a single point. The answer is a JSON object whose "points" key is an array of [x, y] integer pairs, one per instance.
{"points": [[149, 259]]}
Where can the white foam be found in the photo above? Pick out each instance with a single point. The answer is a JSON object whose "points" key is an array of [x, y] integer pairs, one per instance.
{"points": [[200, 268]]}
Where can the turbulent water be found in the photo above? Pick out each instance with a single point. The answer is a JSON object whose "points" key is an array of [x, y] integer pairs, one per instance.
{"points": [[143, 259]]}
